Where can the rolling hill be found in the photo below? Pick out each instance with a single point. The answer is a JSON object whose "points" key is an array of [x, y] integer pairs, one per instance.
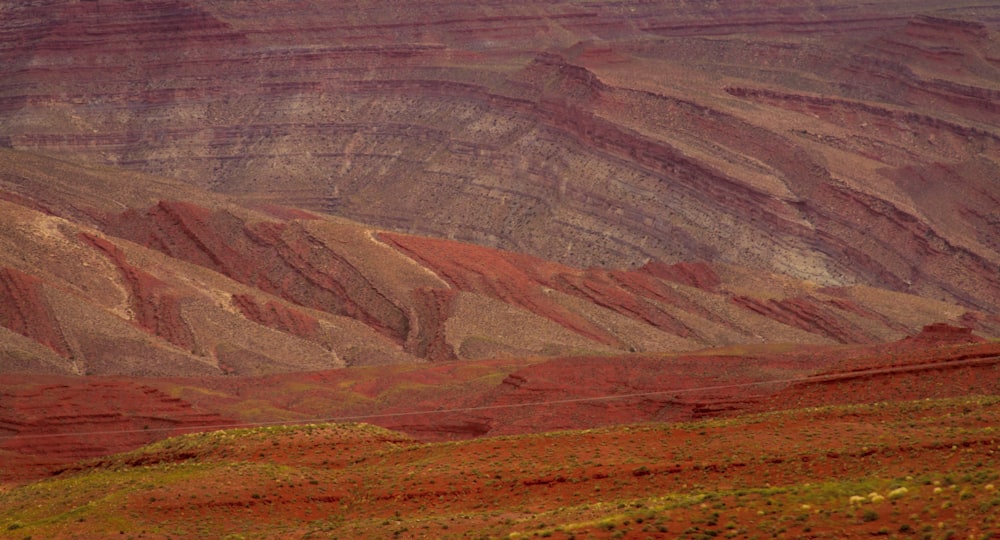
{"points": [[835, 472]]}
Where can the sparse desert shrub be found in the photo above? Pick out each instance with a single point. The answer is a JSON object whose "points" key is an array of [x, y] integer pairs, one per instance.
{"points": [[869, 515], [898, 492]]}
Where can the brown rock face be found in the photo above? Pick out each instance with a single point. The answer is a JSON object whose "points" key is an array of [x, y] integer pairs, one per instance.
{"points": [[832, 141]]}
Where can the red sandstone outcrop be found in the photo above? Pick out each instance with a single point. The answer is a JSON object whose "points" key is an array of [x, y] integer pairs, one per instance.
{"points": [[24, 309], [274, 257], [155, 308], [946, 334], [178, 287], [277, 316]]}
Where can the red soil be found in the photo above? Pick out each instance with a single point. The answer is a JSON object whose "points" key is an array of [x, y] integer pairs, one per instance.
{"points": [[461, 400], [941, 362], [788, 475], [46, 423]]}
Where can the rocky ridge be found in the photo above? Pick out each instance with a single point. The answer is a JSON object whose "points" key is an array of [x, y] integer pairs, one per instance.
{"points": [[219, 286]]}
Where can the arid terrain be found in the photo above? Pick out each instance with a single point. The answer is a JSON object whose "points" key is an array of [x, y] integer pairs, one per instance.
{"points": [[903, 469], [832, 141], [564, 269], [100, 274]]}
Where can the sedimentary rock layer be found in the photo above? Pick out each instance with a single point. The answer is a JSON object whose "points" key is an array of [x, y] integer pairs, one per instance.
{"points": [[215, 285], [843, 143]]}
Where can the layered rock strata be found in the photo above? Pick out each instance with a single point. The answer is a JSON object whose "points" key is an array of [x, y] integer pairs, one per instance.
{"points": [[841, 143]]}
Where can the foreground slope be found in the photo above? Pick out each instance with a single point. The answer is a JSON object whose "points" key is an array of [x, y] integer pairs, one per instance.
{"points": [[833, 141], [902, 468]]}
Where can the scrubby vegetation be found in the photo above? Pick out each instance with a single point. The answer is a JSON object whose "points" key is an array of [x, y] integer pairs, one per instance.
{"points": [[912, 468]]}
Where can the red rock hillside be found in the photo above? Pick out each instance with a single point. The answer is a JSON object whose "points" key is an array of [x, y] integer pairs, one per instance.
{"points": [[100, 273], [837, 142], [615, 269]]}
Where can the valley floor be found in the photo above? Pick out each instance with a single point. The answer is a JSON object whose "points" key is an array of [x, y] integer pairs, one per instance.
{"points": [[914, 469]]}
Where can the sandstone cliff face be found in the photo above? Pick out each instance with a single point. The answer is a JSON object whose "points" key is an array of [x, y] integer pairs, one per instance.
{"points": [[828, 141]]}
